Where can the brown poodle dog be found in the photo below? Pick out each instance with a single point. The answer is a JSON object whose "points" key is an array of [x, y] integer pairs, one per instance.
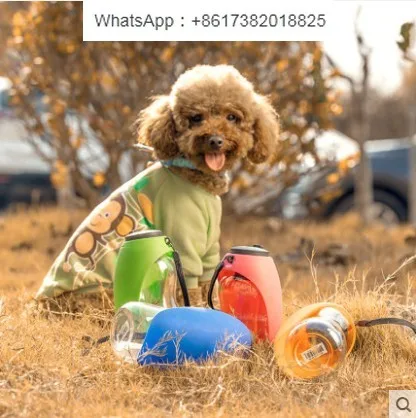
{"points": [[213, 117]]}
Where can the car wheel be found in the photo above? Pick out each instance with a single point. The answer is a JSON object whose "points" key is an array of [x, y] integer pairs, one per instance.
{"points": [[3, 203], [387, 208]]}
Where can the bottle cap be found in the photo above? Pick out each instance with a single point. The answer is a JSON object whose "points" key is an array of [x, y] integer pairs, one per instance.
{"points": [[144, 234], [249, 250]]}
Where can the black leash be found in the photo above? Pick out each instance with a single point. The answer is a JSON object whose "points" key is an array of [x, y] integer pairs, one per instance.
{"points": [[181, 278], [212, 284], [95, 343], [179, 271], [102, 340], [386, 321]]}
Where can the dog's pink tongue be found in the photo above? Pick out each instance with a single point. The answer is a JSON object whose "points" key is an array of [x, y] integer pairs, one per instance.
{"points": [[215, 161]]}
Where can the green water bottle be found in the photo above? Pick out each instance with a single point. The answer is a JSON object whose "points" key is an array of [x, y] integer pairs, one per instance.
{"points": [[147, 270]]}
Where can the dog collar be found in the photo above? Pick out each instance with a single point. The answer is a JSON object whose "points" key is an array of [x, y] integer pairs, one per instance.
{"points": [[184, 163], [179, 162]]}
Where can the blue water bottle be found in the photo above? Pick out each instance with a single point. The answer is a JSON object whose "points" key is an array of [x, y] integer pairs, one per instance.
{"points": [[198, 334]]}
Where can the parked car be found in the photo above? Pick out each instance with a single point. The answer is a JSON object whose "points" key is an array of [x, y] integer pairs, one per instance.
{"points": [[24, 176], [323, 193]]}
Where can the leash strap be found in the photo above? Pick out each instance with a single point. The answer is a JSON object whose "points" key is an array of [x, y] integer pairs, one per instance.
{"points": [[212, 284], [181, 278], [179, 270], [386, 321]]}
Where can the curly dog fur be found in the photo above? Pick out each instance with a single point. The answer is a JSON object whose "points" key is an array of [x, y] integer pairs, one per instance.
{"points": [[211, 110], [213, 118]]}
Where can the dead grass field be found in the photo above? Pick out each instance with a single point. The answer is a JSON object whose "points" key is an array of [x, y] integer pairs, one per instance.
{"points": [[48, 367]]}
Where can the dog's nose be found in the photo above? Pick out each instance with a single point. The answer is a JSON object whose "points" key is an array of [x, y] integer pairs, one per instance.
{"points": [[215, 142]]}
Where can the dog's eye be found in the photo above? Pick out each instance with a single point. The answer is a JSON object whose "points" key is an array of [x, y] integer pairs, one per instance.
{"points": [[196, 118], [232, 118]]}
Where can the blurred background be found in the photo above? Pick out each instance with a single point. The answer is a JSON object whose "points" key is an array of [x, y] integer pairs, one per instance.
{"points": [[348, 111]]}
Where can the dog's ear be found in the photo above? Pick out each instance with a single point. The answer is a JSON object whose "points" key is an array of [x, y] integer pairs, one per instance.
{"points": [[266, 131], [156, 128]]}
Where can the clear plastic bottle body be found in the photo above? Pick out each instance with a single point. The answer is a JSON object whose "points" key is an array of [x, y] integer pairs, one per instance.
{"points": [[240, 297], [160, 283], [129, 328], [317, 345]]}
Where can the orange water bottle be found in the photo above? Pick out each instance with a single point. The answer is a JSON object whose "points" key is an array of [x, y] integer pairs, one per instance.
{"points": [[315, 340]]}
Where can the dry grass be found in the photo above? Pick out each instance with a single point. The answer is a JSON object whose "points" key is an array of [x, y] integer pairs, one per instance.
{"points": [[48, 368]]}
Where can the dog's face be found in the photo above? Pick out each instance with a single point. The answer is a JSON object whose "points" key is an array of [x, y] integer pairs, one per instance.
{"points": [[213, 121], [213, 117]]}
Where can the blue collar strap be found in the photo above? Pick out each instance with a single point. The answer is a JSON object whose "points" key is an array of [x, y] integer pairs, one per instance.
{"points": [[179, 162]]}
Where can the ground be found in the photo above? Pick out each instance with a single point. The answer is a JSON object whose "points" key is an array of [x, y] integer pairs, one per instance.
{"points": [[49, 367]]}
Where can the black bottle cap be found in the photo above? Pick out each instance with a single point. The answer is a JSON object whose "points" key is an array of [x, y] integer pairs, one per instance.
{"points": [[144, 234], [250, 250]]}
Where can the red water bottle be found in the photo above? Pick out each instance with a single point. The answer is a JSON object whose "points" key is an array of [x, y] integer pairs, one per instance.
{"points": [[249, 289]]}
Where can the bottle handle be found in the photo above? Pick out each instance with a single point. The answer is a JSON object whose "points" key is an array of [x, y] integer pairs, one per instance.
{"points": [[212, 284], [181, 278]]}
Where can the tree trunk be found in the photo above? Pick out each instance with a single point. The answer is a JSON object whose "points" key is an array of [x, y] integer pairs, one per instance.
{"points": [[66, 196], [363, 180], [85, 189], [364, 187], [112, 174], [364, 175], [412, 164]]}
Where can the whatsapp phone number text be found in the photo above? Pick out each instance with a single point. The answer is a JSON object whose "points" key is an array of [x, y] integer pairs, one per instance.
{"points": [[164, 23], [260, 20]]}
